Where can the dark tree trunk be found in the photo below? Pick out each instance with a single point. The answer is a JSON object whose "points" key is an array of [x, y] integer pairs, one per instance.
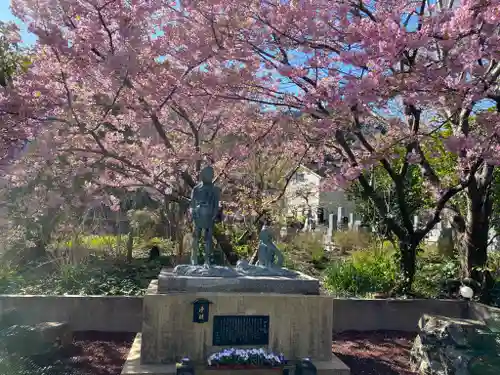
{"points": [[407, 265], [473, 243], [130, 245]]}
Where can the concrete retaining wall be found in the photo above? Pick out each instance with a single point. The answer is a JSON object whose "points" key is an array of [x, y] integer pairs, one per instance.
{"points": [[390, 314], [124, 314], [84, 313], [478, 311]]}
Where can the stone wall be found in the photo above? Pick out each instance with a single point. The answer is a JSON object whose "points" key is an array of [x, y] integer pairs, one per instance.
{"points": [[484, 313], [83, 313], [390, 314], [105, 313]]}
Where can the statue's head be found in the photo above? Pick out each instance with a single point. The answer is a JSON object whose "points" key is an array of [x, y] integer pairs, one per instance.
{"points": [[207, 175], [265, 234]]}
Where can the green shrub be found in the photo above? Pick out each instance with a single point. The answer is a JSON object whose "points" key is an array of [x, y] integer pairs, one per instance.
{"points": [[433, 268], [305, 252], [96, 277], [99, 244], [351, 240], [366, 271], [10, 279]]}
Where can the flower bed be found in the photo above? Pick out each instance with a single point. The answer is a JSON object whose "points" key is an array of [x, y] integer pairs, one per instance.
{"points": [[245, 359]]}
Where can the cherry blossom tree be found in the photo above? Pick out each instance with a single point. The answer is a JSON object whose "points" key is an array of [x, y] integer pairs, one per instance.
{"points": [[118, 90], [371, 76], [13, 60], [371, 81]]}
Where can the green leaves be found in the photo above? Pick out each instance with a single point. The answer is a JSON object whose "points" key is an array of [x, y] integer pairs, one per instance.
{"points": [[13, 59]]}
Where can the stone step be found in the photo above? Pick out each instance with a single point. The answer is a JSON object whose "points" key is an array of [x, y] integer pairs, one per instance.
{"points": [[133, 366]]}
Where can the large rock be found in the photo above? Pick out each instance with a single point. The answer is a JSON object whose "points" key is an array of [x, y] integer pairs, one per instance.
{"points": [[448, 346], [29, 340]]}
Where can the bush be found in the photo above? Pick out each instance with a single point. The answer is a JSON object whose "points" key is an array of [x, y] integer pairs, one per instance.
{"points": [[98, 244], [366, 271], [305, 252], [351, 240], [433, 268], [96, 277]]}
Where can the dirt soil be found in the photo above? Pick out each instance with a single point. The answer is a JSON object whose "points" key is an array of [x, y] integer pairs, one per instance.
{"points": [[99, 353], [366, 353], [375, 353]]}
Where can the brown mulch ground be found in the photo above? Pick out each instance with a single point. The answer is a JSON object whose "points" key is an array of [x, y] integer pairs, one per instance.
{"points": [[375, 353], [100, 353], [366, 353]]}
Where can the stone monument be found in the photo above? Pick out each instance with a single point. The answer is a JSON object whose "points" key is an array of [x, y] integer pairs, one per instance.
{"points": [[194, 311]]}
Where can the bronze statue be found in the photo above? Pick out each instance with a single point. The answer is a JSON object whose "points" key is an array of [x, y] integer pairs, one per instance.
{"points": [[269, 255], [205, 199]]}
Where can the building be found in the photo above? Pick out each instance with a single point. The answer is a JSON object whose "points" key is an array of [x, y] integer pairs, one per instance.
{"points": [[304, 193]]}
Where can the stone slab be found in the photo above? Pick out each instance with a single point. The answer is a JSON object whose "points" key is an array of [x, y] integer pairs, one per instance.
{"points": [[299, 325], [168, 282], [133, 366]]}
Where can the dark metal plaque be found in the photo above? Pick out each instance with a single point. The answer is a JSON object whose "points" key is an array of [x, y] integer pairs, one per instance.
{"points": [[201, 308], [240, 330]]}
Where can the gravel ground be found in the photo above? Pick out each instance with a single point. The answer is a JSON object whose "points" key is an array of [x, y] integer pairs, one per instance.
{"points": [[375, 353], [366, 353]]}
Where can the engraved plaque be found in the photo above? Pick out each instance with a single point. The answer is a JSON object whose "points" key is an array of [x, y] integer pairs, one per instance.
{"points": [[201, 308], [240, 330]]}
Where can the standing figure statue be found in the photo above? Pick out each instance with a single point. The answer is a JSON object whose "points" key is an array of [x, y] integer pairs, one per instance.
{"points": [[268, 251], [205, 199]]}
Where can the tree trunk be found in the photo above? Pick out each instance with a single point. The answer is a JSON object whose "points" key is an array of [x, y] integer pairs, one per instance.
{"points": [[473, 243], [130, 245], [407, 265]]}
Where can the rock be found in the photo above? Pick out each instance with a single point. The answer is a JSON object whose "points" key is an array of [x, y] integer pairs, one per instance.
{"points": [[448, 346], [29, 340]]}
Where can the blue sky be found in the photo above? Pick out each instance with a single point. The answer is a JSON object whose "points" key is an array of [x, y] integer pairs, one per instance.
{"points": [[6, 15]]}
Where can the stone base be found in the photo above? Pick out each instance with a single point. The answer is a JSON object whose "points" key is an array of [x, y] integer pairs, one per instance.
{"points": [[299, 325], [133, 366], [169, 282]]}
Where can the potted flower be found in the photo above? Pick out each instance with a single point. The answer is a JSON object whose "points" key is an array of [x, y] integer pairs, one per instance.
{"points": [[246, 359]]}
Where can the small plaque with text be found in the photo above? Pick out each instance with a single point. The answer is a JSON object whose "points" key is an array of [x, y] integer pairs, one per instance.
{"points": [[240, 330], [201, 310]]}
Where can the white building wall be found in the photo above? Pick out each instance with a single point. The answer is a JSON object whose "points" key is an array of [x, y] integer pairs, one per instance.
{"points": [[304, 193]]}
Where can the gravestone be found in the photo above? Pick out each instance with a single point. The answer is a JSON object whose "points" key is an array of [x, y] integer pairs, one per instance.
{"points": [[340, 216]]}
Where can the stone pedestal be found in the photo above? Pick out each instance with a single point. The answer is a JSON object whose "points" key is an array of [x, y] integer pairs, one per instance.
{"points": [[299, 325], [301, 284], [202, 318]]}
